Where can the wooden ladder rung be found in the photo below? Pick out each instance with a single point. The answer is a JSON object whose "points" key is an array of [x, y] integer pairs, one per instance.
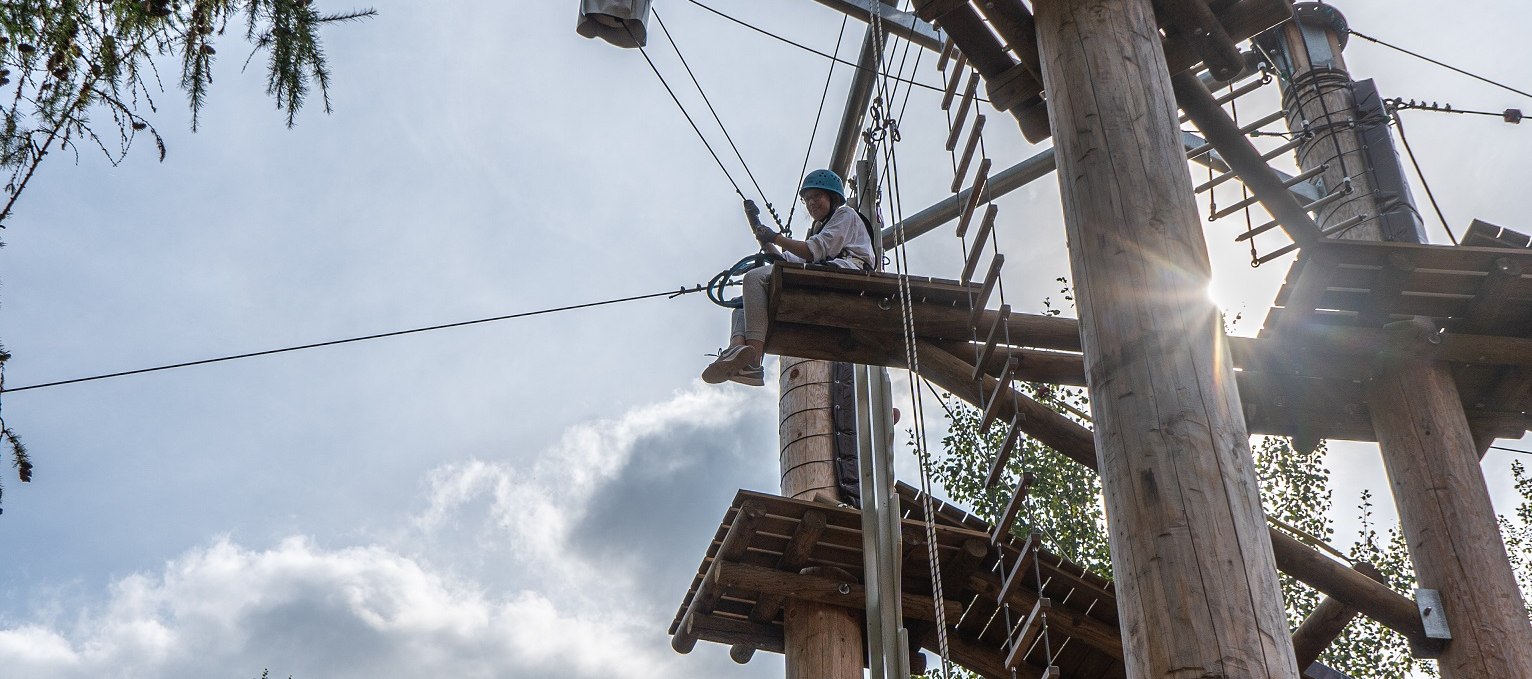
{"points": [[988, 288], [1017, 570], [962, 113], [1003, 526], [948, 48], [968, 150], [991, 408], [1003, 456], [953, 80], [977, 247], [991, 340], [1031, 628], [975, 195]]}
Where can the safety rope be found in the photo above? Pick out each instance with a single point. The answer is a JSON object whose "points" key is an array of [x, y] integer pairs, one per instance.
{"points": [[885, 127], [818, 116]]}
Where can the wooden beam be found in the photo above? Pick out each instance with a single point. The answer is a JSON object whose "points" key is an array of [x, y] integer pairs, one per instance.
{"points": [[793, 559], [835, 591], [1030, 628], [1038, 421], [1011, 578], [1193, 23], [1292, 557], [1386, 289], [955, 575], [735, 632], [1326, 622], [1002, 527], [822, 641], [978, 657], [1003, 455], [1347, 586], [1242, 156], [1014, 23]]}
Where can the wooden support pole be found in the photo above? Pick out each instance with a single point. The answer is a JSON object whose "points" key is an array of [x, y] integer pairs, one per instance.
{"points": [[820, 641], [1444, 507], [1319, 629], [1325, 623], [1196, 579], [808, 452]]}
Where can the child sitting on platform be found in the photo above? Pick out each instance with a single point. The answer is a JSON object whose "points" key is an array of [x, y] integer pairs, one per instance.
{"points": [[840, 237]]}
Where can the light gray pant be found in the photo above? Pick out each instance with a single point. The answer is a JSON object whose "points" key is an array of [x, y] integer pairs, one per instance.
{"points": [[750, 321]]}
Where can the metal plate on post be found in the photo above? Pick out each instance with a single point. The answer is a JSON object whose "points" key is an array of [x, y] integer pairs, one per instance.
{"points": [[1434, 619]]}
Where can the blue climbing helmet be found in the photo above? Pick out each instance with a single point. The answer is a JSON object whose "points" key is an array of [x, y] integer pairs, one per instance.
{"points": [[824, 180]]}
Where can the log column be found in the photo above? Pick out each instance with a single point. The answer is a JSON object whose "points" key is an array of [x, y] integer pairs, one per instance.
{"points": [[1196, 581], [1444, 507], [820, 641]]}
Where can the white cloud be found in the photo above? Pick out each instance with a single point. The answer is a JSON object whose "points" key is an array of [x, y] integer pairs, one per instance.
{"points": [[534, 505], [417, 603], [225, 610]]}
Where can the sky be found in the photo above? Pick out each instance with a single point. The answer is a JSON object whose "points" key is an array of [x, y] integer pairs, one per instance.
{"points": [[526, 498]]}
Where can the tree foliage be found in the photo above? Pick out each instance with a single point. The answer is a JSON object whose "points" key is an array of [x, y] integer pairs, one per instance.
{"points": [[85, 73]]}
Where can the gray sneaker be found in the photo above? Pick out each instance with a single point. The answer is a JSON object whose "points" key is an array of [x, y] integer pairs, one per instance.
{"points": [[751, 375], [729, 362]]}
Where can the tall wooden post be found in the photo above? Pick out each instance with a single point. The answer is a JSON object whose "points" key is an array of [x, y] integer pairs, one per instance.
{"points": [[1428, 449], [1196, 581], [1444, 506], [822, 641]]}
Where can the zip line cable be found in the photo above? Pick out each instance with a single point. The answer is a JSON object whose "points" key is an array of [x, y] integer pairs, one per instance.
{"points": [[364, 338], [818, 117], [1438, 63], [1512, 450], [673, 45], [681, 106], [806, 48]]}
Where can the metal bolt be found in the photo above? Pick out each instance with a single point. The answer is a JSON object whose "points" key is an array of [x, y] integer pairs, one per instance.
{"points": [[846, 589]]}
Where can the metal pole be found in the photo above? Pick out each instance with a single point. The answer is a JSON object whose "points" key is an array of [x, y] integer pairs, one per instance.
{"points": [[871, 526], [891, 544]]}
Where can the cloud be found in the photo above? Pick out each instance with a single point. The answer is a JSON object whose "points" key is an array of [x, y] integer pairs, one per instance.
{"points": [[568, 562], [636, 488], [303, 610]]}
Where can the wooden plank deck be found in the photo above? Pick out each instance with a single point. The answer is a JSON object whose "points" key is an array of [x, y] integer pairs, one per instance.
{"points": [[1084, 610]]}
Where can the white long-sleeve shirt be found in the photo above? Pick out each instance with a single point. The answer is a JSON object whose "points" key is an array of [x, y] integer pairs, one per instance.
{"points": [[841, 241]]}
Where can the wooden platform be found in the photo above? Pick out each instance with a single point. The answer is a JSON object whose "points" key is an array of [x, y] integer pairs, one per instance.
{"points": [[1339, 294], [1306, 383], [746, 592]]}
